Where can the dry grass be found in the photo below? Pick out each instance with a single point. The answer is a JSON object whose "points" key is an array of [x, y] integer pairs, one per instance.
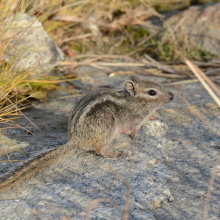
{"points": [[10, 77], [107, 27], [90, 31]]}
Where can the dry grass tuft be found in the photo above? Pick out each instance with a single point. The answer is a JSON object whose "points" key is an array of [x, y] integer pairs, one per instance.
{"points": [[10, 77]]}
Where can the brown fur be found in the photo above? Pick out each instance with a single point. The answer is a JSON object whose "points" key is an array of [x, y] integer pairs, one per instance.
{"points": [[95, 121]]}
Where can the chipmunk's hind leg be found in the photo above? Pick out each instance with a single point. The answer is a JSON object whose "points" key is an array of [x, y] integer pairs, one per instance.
{"points": [[103, 133]]}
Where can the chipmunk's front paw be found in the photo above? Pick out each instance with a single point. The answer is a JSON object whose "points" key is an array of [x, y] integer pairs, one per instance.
{"points": [[117, 154], [122, 154]]}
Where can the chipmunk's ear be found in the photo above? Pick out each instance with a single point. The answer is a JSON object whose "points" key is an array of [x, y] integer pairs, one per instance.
{"points": [[130, 87], [135, 79]]}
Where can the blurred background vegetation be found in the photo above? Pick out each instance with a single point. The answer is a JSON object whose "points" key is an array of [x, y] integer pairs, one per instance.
{"points": [[113, 27]]}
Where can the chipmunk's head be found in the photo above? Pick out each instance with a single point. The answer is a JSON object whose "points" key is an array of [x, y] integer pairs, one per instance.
{"points": [[153, 93]]}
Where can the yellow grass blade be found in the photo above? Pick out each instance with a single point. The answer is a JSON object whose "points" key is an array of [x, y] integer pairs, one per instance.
{"points": [[205, 85], [14, 147]]}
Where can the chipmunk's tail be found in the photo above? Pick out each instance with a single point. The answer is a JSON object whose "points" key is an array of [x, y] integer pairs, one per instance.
{"points": [[32, 166]]}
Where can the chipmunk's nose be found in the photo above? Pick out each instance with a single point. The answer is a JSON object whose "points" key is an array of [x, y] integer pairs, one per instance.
{"points": [[171, 96]]}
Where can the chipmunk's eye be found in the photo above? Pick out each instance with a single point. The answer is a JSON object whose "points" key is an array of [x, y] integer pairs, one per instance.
{"points": [[152, 92]]}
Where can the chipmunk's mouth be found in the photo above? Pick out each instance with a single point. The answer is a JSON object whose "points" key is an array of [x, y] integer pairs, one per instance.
{"points": [[167, 100], [163, 104], [171, 96]]}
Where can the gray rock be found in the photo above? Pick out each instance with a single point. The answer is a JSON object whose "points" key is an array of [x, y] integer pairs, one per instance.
{"points": [[200, 25], [29, 45]]}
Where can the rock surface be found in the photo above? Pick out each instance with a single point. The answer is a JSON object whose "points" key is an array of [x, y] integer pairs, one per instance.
{"points": [[197, 25], [175, 143], [29, 45]]}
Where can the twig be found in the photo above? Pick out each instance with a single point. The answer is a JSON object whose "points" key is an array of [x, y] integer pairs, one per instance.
{"points": [[210, 188], [161, 66], [146, 39], [205, 85], [199, 63], [159, 73], [189, 81], [102, 56], [69, 5], [121, 73], [92, 205], [214, 87], [213, 71], [74, 38], [70, 18], [14, 147], [131, 39], [104, 64], [8, 157], [174, 29], [127, 203], [19, 109]]}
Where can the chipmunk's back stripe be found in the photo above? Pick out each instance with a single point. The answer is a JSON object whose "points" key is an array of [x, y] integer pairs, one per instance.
{"points": [[107, 104], [91, 100]]}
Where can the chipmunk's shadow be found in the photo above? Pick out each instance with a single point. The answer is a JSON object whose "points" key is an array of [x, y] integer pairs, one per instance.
{"points": [[49, 131]]}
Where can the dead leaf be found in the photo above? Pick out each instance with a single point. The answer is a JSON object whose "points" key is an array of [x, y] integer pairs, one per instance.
{"points": [[70, 52]]}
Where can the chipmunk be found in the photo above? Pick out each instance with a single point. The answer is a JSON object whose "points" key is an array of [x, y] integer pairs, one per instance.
{"points": [[97, 119]]}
